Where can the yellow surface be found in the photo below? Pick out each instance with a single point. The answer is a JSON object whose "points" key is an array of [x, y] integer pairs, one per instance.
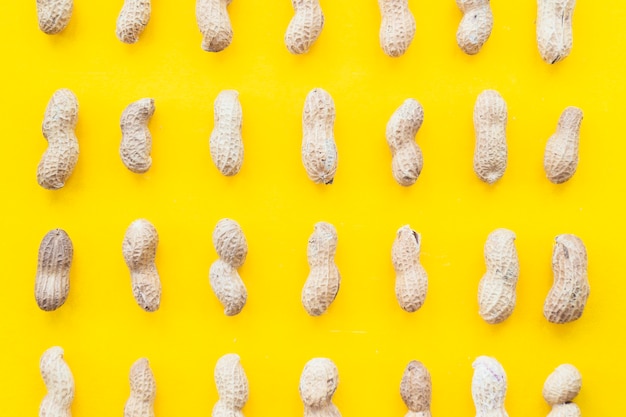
{"points": [[365, 332]]}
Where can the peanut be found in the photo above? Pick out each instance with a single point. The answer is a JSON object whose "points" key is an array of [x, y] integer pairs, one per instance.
{"points": [[232, 249], [319, 152], [397, 28], [411, 278], [232, 387], [318, 384], [496, 291], [402, 127], [305, 26], [489, 387], [139, 249], [59, 122], [214, 23], [554, 29], [140, 403], [52, 282], [322, 284], [132, 20], [226, 144], [54, 15], [490, 154], [59, 383], [416, 389], [136, 138], [475, 27], [567, 297], [561, 157], [560, 389]]}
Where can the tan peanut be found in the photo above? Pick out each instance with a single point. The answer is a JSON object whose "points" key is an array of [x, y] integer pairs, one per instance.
{"points": [[411, 277], [52, 282], [232, 249], [402, 127], [496, 291], [54, 15], [397, 28], [136, 138], [416, 389], [568, 296], [140, 403], [554, 29], [59, 383], [226, 144], [214, 23], [318, 384], [560, 389], [489, 387], [561, 156], [59, 122], [232, 387], [490, 154], [322, 284], [305, 26], [132, 20], [139, 249], [319, 152], [475, 27]]}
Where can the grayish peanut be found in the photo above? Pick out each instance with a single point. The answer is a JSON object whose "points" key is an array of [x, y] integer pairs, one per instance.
{"points": [[416, 389], [54, 15], [561, 156], [407, 161], [132, 20], [319, 152], [139, 249], [52, 283], [490, 154], [136, 138], [305, 26], [226, 144], [411, 277]]}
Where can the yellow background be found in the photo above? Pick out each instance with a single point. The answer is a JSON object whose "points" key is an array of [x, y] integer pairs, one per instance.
{"points": [[365, 332]]}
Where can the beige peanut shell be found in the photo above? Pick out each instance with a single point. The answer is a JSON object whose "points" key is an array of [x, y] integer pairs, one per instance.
{"points": [[305, 26], [322, 284], [226, 143], [54, 15], [568, 296], [496, 291], [232, 249], [136, 138], [139, 249], [52, 282], [132, 20], [560, 159], [476, 25], [397, 27], [214, 23], [416, 389], [140, 403], [232, 387], [59, 383], [489, 387], [318, 384], [407, 160], [319, 152], [490, 154], [411, 277], [554, 29], [59, 122], [562, 385]]}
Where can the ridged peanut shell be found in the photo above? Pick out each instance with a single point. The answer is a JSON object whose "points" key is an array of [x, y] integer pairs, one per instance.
{"points": [[132, 20], [496, 291], [554, 29], [561, 156], [214, 23], [476, 25], [562, 385], [407, 160], [52, 282], [228, 287], [565, 410], [54, 15], [319, 152], [411, 277], [568, 296], [59, 383], [139, 249], [230, 242], [305, 26], [142, 390], [490, 153], [322, 284], [226, 143], [397, 27], [318, 383], [232, 386], [136, 138], [59, 122], [489, 387], [416, 388]]}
